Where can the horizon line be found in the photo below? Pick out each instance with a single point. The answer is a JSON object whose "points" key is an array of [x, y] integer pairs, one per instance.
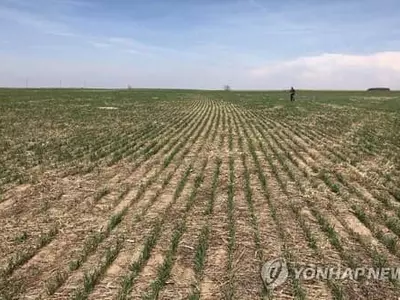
{"points": [[194, 89]]}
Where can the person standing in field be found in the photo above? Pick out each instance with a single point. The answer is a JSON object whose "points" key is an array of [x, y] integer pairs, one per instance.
{"points": [[292, 94]]}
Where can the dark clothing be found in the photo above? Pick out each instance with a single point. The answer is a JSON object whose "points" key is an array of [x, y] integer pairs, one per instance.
{"points": [[292, 93]]}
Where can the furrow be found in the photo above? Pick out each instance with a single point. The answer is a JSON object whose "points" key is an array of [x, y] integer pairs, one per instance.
{"points": [[119, 210], [346, 239]]}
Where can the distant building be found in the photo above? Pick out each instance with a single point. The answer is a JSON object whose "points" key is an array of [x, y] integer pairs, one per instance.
{"points": [[380, 89]]}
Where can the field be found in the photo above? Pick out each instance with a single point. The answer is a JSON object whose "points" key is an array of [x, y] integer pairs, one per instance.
{"points": [[179, 194]]}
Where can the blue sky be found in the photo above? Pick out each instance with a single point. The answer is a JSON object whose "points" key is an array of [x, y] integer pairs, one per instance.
{"points": [[249, 44]]}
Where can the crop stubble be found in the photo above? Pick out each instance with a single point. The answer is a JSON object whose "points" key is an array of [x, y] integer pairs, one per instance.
{"points": [[186, 196]]}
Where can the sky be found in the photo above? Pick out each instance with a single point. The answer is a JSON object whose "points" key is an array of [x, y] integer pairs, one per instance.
{"points": [[201, 44]]}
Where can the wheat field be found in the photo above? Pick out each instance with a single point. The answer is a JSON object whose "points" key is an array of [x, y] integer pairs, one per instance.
{"points": [[180, 194]]}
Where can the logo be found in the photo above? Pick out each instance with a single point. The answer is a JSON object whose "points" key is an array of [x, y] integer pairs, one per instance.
{"points": [[274, 273]]}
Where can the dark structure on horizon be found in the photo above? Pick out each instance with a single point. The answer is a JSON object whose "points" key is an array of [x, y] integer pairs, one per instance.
{"points": [[379, 89]]}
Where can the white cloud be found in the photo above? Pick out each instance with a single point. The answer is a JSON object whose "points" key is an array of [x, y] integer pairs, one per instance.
{"points": [[337, 71], [78, 3], [133, 46], [327, 71], [100, 44], [48, 72], [35, 21]]}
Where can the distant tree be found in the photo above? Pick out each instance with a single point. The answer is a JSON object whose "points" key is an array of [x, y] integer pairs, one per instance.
{"points": [[129, 87], [227, 88], [382, 89]]}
